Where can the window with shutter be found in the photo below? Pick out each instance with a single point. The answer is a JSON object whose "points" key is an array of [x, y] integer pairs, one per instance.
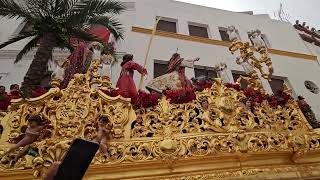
{"points": [[224, 34], [159, 68], [198, 31], [276, 84], [168, 26], [203, 71]]}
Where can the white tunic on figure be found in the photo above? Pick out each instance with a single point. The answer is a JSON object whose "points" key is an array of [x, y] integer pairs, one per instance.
{"points": [[59, 72]]}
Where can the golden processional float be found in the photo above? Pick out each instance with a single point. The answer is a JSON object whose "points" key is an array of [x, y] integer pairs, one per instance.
{"points": [[227, 140]]}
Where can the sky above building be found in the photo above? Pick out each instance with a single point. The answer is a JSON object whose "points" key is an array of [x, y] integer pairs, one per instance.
{"points": [[304, 10]]}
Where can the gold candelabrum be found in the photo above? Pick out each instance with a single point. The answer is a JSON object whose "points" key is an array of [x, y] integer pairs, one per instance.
{"points": [[248, 58], [214, 136]]}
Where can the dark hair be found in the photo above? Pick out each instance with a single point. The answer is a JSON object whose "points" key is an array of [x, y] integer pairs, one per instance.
{"points": [[300, 98], [126, 58], [103, 119], [13, 85], [35, 118]]}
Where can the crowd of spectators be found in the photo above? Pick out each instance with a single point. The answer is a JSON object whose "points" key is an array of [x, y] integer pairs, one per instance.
{"points": [[15, 93]]}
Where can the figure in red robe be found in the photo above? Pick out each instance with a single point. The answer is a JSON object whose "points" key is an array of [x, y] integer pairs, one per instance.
{"points": [[126, 85], [76, 63], [79, 60]]}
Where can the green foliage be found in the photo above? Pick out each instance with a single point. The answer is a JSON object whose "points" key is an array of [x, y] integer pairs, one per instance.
{"points": [[61, 18]]}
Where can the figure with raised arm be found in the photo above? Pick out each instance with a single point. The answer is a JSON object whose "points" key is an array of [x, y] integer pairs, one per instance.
{"points": [[31, 135], [104, 129], [126, 85]]}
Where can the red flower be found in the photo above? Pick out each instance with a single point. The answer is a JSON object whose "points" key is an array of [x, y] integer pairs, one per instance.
{"points": [[273, 101], [282, 97], [255, 96], [180, 96], [202, 84], [144, 100], [233, 86]]}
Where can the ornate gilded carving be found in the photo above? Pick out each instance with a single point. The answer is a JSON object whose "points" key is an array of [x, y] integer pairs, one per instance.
{"points": [[248, 58], [216, 123]]}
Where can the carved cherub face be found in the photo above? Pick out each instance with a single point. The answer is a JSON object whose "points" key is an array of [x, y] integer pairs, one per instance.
{"points": [[16, 121], [33, 124], [255, 34], [139, 119], [205, 104], [231, 28], [104, 121]]}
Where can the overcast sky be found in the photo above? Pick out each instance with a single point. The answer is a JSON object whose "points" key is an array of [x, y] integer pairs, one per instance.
{"points": [[304, 10]]}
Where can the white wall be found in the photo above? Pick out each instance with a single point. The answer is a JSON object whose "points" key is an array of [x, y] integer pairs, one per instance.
{"points": [[282, 36]]}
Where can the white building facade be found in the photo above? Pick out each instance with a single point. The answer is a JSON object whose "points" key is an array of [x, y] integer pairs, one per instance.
{"points": [[194, 31]]}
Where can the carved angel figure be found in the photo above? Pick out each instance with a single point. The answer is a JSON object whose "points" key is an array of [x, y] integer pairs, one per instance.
{"points": [[106, 63], [233, 33], [222, 72], [35, 125], [59, 72], [248, 69], [96, 49], [255, 37]]}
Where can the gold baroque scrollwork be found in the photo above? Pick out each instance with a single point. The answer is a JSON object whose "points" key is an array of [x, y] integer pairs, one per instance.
{"points": [[167, 133]]}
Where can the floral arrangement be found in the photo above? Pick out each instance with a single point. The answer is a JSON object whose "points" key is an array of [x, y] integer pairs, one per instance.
{"points": [[255, 97], [279, 99], [145, 100], [233, 86], [202, 84], [142, 100], [252, 97], [180, 96]]}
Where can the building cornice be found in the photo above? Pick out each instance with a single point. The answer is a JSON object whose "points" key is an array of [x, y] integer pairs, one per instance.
{"points": [[9, 54], [218, 42]]}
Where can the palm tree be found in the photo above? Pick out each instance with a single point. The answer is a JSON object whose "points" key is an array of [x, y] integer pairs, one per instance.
{"points": [[53, 23]]}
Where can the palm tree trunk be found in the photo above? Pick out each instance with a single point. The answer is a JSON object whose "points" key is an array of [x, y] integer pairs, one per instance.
{"points": [[38, 67]]}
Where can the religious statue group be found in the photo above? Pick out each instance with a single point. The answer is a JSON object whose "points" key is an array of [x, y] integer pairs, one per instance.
{"points": [[175, 78]]}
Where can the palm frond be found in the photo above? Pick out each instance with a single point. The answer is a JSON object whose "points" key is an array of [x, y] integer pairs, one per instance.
{"points": [[28, 47], [64, 42], [17, 38], [99, 7], [83, 35], [11, 8], [112, 24], [63, 7], [41, 8]]}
